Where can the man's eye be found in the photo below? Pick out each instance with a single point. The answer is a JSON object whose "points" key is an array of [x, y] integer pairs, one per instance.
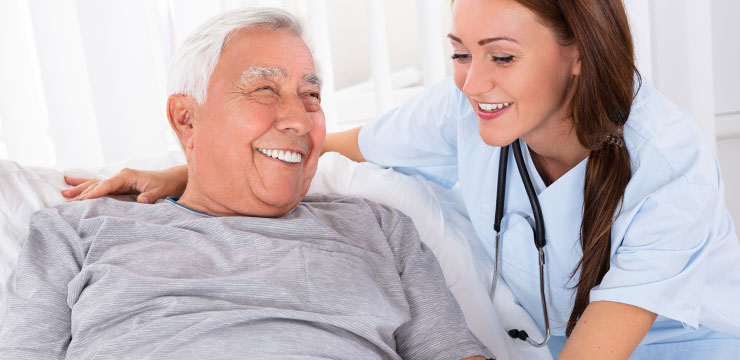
{"points": [[266, 95], [461, 58], [312, 101], [310, 95]]}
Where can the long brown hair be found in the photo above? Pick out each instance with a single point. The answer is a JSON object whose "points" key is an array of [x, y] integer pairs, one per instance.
{"points": [[602, 100]]}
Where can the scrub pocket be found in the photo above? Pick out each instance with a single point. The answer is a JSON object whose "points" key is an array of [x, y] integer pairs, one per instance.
{"points": [[517, 244]]}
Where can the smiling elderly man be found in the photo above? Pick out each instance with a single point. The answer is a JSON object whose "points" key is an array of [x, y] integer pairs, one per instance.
{"points": [[242, 265]]}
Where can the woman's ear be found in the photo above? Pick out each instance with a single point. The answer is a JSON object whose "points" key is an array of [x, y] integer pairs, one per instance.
{"points": [[181, 115], [576, 61]]}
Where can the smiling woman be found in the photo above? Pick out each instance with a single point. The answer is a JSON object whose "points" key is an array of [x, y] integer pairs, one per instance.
{"points": [[606, 150]]}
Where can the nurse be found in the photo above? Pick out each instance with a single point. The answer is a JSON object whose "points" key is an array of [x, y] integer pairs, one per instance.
{"points": [[642, 257]]}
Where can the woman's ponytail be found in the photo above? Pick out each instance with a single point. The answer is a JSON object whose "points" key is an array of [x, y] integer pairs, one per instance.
{"points": [[604, 91]]}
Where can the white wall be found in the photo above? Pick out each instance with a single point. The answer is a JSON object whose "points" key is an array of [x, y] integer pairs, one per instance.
{"points": [[695, 52], [726, 60], [348, 24]]}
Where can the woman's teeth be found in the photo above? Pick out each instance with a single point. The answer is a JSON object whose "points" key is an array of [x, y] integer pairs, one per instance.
{"points": [[284, 155], [493, 107]]}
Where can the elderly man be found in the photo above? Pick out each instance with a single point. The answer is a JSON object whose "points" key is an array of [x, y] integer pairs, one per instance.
{"points": [[242, 265]]}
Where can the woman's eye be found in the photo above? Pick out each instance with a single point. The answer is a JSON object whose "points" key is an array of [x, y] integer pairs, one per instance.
{"points": [[502, 60], [461, 58]]}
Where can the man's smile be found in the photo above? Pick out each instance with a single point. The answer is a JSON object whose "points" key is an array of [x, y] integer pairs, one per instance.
{"points": [[284, 155]]}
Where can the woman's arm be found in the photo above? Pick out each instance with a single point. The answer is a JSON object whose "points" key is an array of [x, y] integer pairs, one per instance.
{"points": [[608, 330], [150, 185], [345, 143]]}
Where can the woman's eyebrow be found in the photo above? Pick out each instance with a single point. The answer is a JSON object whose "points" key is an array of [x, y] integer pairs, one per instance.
{"points": [[499, 38], [454, 38], [484, 41]]}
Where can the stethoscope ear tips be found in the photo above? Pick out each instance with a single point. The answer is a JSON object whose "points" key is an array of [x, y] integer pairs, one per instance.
{"points": [[518, 334]]}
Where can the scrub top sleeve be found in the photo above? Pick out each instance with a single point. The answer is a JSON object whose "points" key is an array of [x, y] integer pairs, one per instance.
{"points": [[660, 264], [420, 135]]}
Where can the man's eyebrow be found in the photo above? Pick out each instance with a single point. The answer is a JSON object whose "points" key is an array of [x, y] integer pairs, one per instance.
{"points": [[313, 79], [484, 41], [260, 72]]}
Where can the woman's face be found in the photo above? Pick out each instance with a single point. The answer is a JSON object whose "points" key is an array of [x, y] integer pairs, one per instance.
{"points": [[512, 69]]}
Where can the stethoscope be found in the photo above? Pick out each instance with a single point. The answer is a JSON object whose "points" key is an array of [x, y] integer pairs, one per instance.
{"points": [[539, 231]]}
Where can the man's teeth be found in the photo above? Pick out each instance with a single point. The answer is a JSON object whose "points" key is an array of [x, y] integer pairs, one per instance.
{"points": [[493, 107], [284, 155]]}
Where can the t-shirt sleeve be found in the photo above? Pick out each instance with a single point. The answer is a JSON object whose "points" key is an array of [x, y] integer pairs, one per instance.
{"points": [[420, 135], [660, 265], [35, 320], [437, 328]]}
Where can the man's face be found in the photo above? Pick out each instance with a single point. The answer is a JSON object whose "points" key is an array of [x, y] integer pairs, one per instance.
{"points": [[256, 140]]}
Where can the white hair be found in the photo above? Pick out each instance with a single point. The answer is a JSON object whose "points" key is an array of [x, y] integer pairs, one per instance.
{"points": [[193, 63]]}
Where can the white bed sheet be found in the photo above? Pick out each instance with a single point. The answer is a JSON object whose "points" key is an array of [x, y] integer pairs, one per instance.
{"points": [[437, 213]]}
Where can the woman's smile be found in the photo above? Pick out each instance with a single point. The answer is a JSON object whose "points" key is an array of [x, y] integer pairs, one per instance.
{"points": [[489, 111]]}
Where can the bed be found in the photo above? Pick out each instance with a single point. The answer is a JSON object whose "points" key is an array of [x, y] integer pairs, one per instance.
{"points": [[437, 213]]}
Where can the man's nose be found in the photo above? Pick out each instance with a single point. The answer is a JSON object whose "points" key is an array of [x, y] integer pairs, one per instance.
{"points": [[293, 117]]}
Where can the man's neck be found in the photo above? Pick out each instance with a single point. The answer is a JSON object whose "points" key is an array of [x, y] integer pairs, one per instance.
{"points": [[197, 201], [228, 204]]}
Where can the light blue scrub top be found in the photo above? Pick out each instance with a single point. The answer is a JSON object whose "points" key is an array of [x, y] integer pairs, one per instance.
{"points": [[674, 249]]}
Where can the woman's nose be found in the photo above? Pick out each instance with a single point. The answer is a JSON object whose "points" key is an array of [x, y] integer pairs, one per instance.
{"points": [[477, 81]]}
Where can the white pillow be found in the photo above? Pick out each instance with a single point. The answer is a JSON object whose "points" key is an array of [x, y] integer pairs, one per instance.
{"points": [[437, 213], [24, 191]]}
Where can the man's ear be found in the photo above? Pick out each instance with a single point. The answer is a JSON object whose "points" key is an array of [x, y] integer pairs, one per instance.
{"points": [[181, 114]]}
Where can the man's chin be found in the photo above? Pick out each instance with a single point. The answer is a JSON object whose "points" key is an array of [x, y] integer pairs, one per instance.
{"points": [[276, 204]]}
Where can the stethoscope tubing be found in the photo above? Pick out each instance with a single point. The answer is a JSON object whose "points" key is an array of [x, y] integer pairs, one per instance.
{"points": [[539, 231], [539, 221], [503, 164]]}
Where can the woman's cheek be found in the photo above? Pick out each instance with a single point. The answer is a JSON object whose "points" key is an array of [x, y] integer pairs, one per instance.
{"points": [[459, 75]]}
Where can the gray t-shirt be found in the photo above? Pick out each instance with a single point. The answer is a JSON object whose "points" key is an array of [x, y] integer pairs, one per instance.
{"points": [[334, 278]]}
